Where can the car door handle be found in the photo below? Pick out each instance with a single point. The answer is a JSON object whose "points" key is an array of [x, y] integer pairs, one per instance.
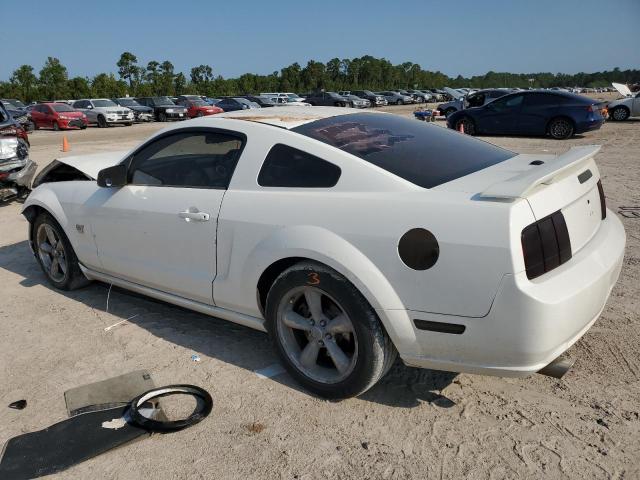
{"points": [[195, 216]]}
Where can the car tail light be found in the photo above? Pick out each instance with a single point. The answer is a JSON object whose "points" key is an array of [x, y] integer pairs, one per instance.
{"points": [[603, 202], [545, 245]]}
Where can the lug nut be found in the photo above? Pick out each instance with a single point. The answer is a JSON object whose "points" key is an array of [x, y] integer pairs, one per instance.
{"points": [[323, 323], [321, 343], [312, 322], [328, 336]]}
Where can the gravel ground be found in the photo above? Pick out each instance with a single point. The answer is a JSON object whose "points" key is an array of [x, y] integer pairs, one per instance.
{"points": [[414, 424]]}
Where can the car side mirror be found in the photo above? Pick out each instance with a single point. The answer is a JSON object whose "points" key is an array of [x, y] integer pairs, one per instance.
{"points": [[113, 177], [89, 107]]}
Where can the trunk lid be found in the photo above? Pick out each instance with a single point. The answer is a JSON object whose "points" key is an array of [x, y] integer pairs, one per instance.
{"points": [[567, 182]]}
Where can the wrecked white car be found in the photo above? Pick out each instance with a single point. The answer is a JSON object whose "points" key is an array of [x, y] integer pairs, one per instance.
{"points": [[628, 106]]}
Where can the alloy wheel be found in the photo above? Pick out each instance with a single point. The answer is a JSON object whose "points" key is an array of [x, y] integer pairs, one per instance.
{"points": [[51, 252], [317, 335]]}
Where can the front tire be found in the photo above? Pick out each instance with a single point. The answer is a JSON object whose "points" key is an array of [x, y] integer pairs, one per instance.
{"points": [[561, 128], [102, 122], [162, 117], [56, 127], [620, 114], [326, 333], [468, 125], [55, 254]]}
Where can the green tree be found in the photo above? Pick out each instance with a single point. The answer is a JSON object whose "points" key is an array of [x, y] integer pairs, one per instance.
{"points": [[107, 86], [128, 68], [25, 81], [79, 87], [53, 79]]}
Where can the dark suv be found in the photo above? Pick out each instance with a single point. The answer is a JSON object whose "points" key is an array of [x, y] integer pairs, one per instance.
{"points": [[163, 108], [327, 99]]}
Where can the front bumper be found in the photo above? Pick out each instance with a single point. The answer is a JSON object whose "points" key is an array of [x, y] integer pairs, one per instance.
{"points": [[530, 323], [119, 118]]}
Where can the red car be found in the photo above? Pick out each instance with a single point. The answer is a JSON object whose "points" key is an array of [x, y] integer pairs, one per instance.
{"points": [[196, 106], [57, 116]]}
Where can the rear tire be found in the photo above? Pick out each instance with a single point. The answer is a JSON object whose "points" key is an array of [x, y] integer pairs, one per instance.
{"points": [[55, 254], [560, 128], [338, 351], [620, 114]]}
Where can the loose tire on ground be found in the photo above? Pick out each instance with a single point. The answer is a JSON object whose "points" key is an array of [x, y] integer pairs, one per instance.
{"points": [[312, 312], [55, 254]]}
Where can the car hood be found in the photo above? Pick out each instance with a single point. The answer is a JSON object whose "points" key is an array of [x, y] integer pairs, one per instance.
{"points": [[91, 164], [623, 89], [140, 108], [454, 93]]}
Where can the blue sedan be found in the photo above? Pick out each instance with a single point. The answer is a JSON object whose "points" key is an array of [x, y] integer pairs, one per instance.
{"points": [[558, 114]]}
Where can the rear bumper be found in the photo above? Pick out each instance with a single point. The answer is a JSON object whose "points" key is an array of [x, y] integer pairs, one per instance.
{"points": [[589, 125], [531, 322]]}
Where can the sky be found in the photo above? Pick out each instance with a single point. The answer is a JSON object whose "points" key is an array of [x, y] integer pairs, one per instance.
{"points": [[466, 37]]}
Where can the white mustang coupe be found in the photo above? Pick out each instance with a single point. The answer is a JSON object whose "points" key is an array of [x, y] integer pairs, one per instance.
{"points": [[349, 237]]}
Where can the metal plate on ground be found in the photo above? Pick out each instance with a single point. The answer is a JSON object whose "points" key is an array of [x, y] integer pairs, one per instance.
{"points": [[113, 392]]}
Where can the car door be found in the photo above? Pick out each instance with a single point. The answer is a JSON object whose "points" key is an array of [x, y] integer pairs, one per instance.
{"points": [[635, 110], [39, 116], [159, 230], [500, 116], [536, 111]]}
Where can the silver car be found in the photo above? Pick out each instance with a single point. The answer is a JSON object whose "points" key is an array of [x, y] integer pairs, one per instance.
{"points": [[395, 98], [104, 112]]}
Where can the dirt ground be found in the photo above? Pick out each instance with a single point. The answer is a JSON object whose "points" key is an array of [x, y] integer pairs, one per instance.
{"points": [[413, 424]]}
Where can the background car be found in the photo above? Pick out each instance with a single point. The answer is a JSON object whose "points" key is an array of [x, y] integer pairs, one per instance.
{"points": [[420, 96], [13, 103], [625, 107], [196, 106], [232, 104], [164, 109], [394, 98], [58, 116], [328, 99], [477, 99], [532, 112], [375, 99], [104, 112], [140, 112], [357, 102], [264, 102]]}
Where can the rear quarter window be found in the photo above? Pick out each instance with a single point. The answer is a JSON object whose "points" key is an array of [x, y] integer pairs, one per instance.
{"points": [[286, 166], [426, 155]]}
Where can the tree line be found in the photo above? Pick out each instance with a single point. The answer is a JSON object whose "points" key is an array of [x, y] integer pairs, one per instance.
{"points": [[160, 78]]}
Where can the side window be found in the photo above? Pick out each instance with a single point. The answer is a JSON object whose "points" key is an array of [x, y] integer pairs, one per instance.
{"points": [[542, 100], [285, 166], [508, 103], [196, 159], [476, 100]]}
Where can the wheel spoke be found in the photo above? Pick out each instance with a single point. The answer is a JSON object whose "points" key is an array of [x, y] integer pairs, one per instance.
{"points": [[309, 355], [53, 268], [340, 324], [314, 302], [340, 359], [51, 236], [293, 320], [62, 263], [46, 248]]}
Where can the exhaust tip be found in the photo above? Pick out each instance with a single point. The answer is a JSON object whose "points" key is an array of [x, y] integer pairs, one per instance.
{"points": [[558, 368]]}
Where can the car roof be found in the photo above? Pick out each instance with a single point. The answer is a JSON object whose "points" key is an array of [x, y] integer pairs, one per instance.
{"points": [[286, 117]]}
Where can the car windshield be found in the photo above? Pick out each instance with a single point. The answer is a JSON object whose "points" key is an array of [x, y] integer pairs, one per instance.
{"points": [[293, 96], [162, 101], [128, 102], [426, 155], [367, 92], [265, 100], [198, 102], [62, 107], [104, 103], [17, 103]]}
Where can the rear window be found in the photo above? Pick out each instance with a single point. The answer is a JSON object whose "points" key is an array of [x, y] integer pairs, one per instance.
{"points": [[62, 107], [426, 155]]}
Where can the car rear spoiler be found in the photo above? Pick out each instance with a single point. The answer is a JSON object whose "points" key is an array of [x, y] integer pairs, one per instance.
{"points": [[522, 184]]}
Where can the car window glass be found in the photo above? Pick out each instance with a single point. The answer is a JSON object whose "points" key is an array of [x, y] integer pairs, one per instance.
{"points": [[286, 166], [507, 103], [201, 159], [476, 100], [423, 154], [542, 100]]}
